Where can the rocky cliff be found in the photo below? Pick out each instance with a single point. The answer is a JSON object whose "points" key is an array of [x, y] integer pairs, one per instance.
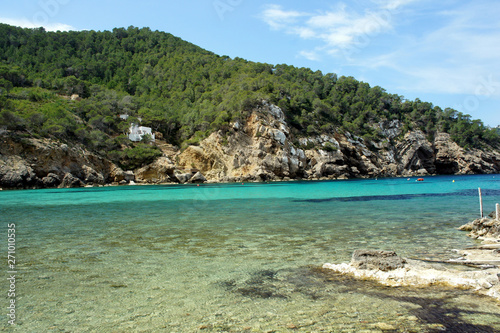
{"points": [[38, 163], [263, 149], [260, 148]]}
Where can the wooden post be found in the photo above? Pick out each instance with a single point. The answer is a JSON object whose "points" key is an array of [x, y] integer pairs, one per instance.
{"points": [[498, 211], [481, 203]]}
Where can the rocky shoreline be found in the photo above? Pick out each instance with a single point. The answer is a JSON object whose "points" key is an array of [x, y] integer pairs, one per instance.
{"points": [[260, 148], [476, 268]]}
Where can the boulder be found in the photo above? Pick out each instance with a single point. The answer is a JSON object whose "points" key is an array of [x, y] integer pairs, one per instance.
{"points": [[117, 174], [160, 171], [483, 227], [183, 177], [198, 178], [70, 181], [51, 180], [377, 260], [15, 173], [129, 176], [92, 176]]}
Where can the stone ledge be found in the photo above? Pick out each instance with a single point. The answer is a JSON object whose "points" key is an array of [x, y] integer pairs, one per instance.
{"points": [[416, 273]]}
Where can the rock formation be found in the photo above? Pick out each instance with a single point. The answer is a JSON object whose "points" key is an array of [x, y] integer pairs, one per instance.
{"points": [[416, 273], [35, 163], [483, 228], [262, 147], [379, 260], [389, 269]]}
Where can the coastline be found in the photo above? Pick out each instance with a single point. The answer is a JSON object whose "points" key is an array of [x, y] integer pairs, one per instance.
{"points": [[476, 268], [413, 178]]}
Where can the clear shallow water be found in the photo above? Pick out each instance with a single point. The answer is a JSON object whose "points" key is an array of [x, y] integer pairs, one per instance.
{"points": [[239, 258]]}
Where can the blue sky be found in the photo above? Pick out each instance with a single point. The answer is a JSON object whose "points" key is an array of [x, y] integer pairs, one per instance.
{"points": [[446, 52]]}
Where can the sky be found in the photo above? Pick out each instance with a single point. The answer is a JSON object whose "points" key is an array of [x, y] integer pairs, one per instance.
{"points": [[445, 52]]}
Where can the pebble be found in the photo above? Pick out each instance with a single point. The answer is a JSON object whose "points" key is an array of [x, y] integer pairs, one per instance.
{"points": [[385, 326], [437, 327]]}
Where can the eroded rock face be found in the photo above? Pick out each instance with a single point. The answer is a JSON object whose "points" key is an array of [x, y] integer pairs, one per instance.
{"points": [[51, 180], [260, 148], [416, 155], [15, 173], [160, 171], [32, 163], [264, 149]]}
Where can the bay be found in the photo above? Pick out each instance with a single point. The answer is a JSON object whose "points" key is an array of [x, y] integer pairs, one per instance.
{"points": [[239, 257]]}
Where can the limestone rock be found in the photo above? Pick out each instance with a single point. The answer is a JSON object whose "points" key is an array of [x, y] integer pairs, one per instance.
{"points": [[117, 174], [51, 180], [129, 176], [183, 177], [160, 171], [14, 173], [483, 227], [379, 260], [70, 181], [91, 176], [25, 163], [197, 178], [262, 147], [416, 154]]}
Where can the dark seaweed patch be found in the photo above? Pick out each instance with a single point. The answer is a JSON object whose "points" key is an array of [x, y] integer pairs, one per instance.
{"points": [[438, 311], [430, 310], [463, 193], [261, 284], [435, 314]]}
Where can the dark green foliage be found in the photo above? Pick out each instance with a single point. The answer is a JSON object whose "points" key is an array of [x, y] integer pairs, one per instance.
{"points": [[139, 155], [186, 93]]}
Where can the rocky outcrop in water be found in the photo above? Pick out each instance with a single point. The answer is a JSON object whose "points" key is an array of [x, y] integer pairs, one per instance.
{"points": [[486, 227], [417, 273]]}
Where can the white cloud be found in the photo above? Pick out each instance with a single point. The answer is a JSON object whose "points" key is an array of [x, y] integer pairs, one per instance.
{"points": [[338, 29], [450, 47], [277, 18], [25, 23], [395, 4], [310, 55], [460, 56]]}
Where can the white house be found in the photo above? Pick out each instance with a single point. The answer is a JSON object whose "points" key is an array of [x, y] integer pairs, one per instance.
{"points": [[137, 132]]}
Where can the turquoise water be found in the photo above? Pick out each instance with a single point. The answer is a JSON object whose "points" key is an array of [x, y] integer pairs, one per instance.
{"points": [[238, 257]]}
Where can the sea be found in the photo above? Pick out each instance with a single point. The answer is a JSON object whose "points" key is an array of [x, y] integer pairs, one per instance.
{"points": [[240, 257]]}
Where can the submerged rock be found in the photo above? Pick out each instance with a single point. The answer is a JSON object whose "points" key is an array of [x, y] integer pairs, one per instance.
{"points": [[372, 259]]}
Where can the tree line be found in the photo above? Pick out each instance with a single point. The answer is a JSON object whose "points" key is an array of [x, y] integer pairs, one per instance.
{"points": [[185, 93]]}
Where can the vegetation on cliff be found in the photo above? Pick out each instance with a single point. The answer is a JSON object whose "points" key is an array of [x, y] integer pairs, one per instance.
{"points": [[185, 93]]}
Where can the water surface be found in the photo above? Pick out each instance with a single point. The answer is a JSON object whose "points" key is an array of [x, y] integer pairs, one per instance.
{"points": [[239, 257]]}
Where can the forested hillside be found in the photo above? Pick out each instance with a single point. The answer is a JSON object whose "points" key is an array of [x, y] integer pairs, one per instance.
{"points": [[185, 93]]}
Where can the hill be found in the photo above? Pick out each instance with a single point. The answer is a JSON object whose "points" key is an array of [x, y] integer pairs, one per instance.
{"points": [[187, 95]]}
